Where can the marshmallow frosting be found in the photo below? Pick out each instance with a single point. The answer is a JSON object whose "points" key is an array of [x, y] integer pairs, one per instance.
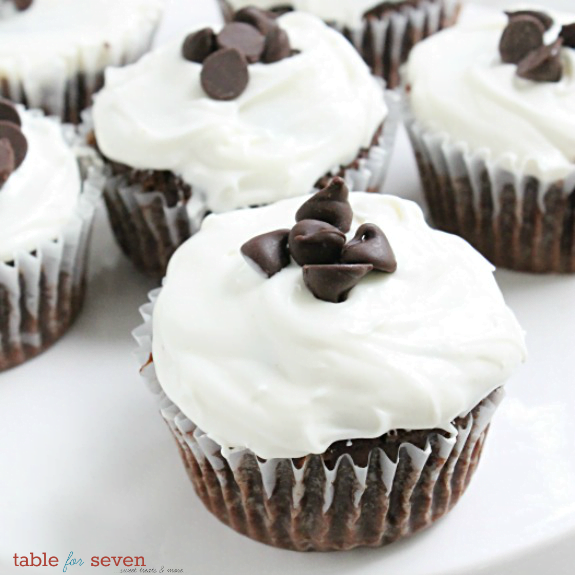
{"points": [[260, 363], [297, 120], [459, 86], [344, 12], [41, 196]]}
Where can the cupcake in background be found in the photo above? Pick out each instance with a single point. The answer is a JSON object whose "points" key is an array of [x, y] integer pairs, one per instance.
{"points": [[331, 373], [382, 32], [255, 112], [491, 115], [53, 53], [50, 185]]}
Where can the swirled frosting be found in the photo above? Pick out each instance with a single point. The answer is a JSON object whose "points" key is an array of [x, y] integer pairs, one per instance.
{"points": [[298, 118], [41, 196], [459, 86], [344, 12], [260, 363]]}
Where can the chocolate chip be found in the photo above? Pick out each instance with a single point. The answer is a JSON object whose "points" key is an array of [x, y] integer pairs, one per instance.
{"points": [[329, 205], [370, 246], [244, 38], [8, 112], [277, 46], [269, 252], [259, 19], [568, 35], [17, 141], [281, 9], [543, 65], [7, 160], [522, 35], [315, 242], [22, 4], [225, 74], [332, 283], [199, 45], [544, 18]]}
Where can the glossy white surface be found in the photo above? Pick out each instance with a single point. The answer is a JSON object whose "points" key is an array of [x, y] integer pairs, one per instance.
{"points": [[88, 466]]}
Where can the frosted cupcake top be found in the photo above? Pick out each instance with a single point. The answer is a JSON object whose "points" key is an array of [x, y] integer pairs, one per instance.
{"points": [[343, 12], [35, 43], [261, 362], [297, 118], [39, 197], [519, 112]]}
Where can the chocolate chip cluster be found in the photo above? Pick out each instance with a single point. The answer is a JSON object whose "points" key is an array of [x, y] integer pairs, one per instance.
{"points": [[253, 36], [13, 143], [332, 267], [523, 43]]}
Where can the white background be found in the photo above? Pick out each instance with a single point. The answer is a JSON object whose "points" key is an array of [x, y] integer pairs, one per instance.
{"points": [[87, 465]]}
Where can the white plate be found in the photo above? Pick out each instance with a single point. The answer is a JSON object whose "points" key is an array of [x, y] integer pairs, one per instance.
{"points": [[87, 465]]}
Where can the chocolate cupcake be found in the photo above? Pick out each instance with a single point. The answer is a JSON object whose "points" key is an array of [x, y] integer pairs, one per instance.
{"points": [[53, 52], [490, 117], [330, 382], [382, 32], [254, 113], [50, 184]]}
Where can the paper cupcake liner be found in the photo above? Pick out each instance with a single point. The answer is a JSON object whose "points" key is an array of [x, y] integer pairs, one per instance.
{"points": [[515, 220], [152, 213], [41, 292], [384, 41], [65, 86], [369, 493]]}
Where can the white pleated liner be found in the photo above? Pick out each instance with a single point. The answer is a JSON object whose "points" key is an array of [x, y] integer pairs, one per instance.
{"points": [[64, 257], [194, 440]]}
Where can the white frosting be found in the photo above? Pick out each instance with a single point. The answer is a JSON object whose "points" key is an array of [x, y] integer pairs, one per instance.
{"points": [[261, 363], [460, 86], [55, 39], [41, 196], [298, 118], [344, 12]]}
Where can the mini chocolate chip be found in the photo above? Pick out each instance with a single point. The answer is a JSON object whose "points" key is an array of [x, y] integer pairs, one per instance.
{"points": [[522, 35], [544, 18], [259, 19], [568, 35], [8, 112], [199, 45], [329, 205], [7, 163], [332, 283], [269, 252], [244, 38], [315, 242], [370, 246], [225, 74], [17, 140], [543, 65], [277, 46]]}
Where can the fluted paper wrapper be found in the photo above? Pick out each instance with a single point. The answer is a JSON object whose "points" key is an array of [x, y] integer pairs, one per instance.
{"points": [[64, 85], [149, 229], [42, 292], [515, 220], [362, 498], [384, 41]]}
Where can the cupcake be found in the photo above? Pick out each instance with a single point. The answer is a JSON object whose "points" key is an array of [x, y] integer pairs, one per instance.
{"points": [[214, 122], [330, 382], [491, 112], [49, 186], [382, 32], [53, 52]]}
